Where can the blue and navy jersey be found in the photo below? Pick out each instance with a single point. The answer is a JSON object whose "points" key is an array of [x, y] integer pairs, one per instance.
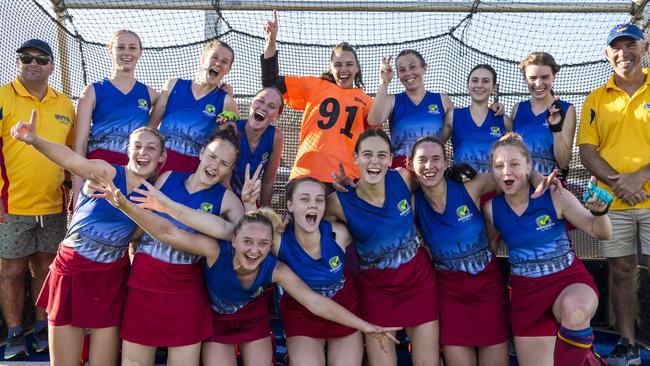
{"points": [[116, 115], [207, 200], [385, 237], [456, 237], [472, 144], [323, 275], [227, 295], [98, 231], [537, 136], [261, 155], [188, 123], [537, 240], [408, 122]]}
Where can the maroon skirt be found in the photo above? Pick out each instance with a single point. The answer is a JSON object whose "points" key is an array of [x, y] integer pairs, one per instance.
{"points": [[177, 162], [175, 312], [298, 321], [473, 310], [108, 156], [532, 299], [406, 296], [248, 324], [83, 293]]}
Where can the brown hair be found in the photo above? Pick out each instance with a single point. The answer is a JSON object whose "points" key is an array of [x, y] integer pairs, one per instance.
{"points": [[340, 48], [373, 132], [415, 53], [539, 59], [216, 43], [121, 32], [421, 140], [274, 88], [293, 185], [511, 139], [227, 133]]}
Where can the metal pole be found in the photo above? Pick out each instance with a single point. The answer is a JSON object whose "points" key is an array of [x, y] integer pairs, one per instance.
{"points": [[62, 58], [379, 6]]}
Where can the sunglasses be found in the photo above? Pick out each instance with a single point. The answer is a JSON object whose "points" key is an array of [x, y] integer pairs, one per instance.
{"points": [[27, 59]]}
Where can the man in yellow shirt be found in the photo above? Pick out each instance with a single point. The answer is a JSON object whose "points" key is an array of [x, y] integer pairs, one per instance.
{"points": [[32, 210], [614, 141]]}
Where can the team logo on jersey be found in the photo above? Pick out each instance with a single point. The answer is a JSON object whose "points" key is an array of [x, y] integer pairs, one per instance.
{"points": [[592, 116], [433, 109], [265, 156], [258, 292], [403, 207], [207, 207], [544, 222], [143, 105], [210, 110], [495, 131], [463, 213], [335, 263], [63, 119]]}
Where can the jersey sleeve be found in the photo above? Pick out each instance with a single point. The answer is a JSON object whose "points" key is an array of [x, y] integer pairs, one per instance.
{"points": [[588, 129], [298, 90]]}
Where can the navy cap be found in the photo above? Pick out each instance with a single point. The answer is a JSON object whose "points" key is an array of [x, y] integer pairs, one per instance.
{"points": [[624, 30], [39, 45]]}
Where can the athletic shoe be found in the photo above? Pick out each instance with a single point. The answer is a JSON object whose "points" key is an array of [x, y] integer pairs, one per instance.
{"points": [[40, 343], [624, 354], [15, 347]]}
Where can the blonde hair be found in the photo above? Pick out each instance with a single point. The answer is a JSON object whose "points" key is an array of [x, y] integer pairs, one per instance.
{"points": [[511, 139], [539, 59], [265, 216], [120, 32]]}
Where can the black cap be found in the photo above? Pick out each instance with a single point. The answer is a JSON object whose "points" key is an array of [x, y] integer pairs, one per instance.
{"points": [[39, 45]]}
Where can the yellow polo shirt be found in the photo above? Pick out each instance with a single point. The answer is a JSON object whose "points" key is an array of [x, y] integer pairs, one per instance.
{"points": [[620, 126], [30, 184]]}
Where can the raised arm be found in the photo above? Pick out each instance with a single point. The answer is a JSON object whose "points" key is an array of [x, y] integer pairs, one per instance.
{"points": [[269, 61], [271, 171], [85, 108], [342, 235], [592, 220], [447, 126], [323, 306], [563, 139], [382, 105], [207, 223], [333, 209], [161, 104], [60, 154], [158, 227]]}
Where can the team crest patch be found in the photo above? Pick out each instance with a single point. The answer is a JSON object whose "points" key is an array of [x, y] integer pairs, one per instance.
{"points": [[495, 131], [143, 105], [210, 110], [463, 213], [258, 292], [265, 156], [433, 108], [403, 207], [335, 262], [207, 207], [543, 222]]}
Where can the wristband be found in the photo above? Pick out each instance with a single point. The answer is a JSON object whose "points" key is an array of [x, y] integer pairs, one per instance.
{"points": [[600, 213], [460, 173], [557, 127], [600, 194]]}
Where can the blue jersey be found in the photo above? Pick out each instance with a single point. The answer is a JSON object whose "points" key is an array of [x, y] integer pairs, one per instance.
{"points": [[472, 144], [456, 237], [227, 295], [385, 237], [188, 123], [98, 231], [207, 200], [261, 155], [537, 136], [537, 240], [116, 115], [408, 122], [323, 275]]}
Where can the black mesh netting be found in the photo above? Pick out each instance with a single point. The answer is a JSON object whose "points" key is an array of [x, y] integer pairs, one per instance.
{"points": [[452, 43]]}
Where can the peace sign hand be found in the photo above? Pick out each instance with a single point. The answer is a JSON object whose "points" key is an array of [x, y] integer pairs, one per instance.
{"points": [[252, 187], [386, 70], [26, 131], [152, 198]]}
